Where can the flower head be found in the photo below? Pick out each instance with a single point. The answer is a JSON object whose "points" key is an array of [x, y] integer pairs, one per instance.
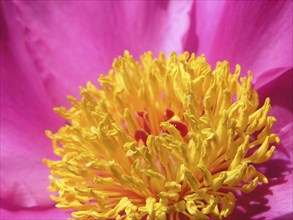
{"points": [[162, 138], [49, 48]]}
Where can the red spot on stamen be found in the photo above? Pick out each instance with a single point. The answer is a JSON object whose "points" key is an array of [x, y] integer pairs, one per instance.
{"points": [[140, 114], [180, 126], [141, 134], [146, 125], [168, 114]]}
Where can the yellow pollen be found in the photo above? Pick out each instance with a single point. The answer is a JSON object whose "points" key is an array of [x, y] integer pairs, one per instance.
{"points": [[162, 139]]}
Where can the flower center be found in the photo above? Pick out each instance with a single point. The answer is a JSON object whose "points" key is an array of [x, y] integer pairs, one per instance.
{"points": [[163, 139], [144, 131]]}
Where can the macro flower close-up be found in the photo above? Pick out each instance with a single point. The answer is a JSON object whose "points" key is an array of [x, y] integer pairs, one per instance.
{"points": [[146, 110]]}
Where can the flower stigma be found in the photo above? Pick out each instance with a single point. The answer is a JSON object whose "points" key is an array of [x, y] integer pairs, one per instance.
{"points": [[164, 138]]}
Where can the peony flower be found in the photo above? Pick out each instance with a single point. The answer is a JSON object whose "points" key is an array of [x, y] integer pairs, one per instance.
{"points": [[48, 49]]}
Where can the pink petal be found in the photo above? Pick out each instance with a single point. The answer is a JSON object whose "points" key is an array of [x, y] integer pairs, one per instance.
{"points": [[280, 92], [255, 34], [72, 43], [26, 112], [268, 76], [281, 200], [205, 18], [29, 214], [279, 169]]}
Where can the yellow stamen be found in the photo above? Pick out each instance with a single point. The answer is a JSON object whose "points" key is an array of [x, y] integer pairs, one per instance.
{"points": [[162, 139]]}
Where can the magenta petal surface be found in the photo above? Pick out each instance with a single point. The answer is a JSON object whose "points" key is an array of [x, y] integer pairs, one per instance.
{"points": [[73, 42], [281, 200], [279, 169], [269, 76], [255, 34], [36, 214], [26, 112], [280, 92]]}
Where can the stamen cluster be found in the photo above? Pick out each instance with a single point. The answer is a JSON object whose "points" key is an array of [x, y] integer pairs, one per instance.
{"points": [[161, 139]]}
